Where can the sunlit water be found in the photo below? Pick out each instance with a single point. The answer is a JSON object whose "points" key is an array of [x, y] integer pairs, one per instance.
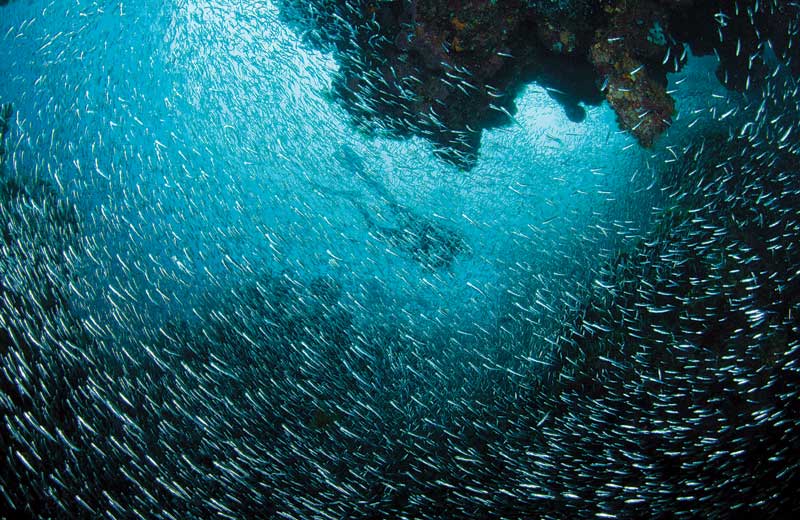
{"points": [[204, 152], [200, 143]]}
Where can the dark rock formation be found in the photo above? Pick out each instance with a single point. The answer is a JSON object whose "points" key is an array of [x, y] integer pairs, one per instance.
{"points": [[6, 112], [446, 70], [628, 53], [737, 32]]}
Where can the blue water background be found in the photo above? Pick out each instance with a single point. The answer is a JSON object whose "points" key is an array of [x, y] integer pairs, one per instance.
{"points": [[200, 143]]}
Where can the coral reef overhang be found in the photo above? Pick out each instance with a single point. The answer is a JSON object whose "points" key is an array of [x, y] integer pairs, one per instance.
{"points": [[447, 70]]}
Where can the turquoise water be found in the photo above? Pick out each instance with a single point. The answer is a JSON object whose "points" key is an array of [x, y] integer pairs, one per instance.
{"points": [[225, 202], [198, 136]]}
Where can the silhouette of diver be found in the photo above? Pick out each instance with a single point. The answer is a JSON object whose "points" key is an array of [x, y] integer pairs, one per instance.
{"points": [[427, 243]]}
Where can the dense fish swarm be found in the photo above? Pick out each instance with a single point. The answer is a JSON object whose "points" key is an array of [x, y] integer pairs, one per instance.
{"points": [[448, 70], [640, 359]]}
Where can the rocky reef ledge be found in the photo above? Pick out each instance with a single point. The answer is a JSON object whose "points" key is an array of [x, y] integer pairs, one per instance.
{"points": [[448, 69]]}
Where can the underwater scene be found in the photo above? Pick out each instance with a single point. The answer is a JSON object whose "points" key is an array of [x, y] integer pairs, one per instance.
{"points": [[399, 259]]}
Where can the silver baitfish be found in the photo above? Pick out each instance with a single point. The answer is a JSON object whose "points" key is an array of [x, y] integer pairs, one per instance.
{"points": [[224, 295]]}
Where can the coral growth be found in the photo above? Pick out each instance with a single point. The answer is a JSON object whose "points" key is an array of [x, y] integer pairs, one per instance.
{"points": [[625, 54], [446, 70]]}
